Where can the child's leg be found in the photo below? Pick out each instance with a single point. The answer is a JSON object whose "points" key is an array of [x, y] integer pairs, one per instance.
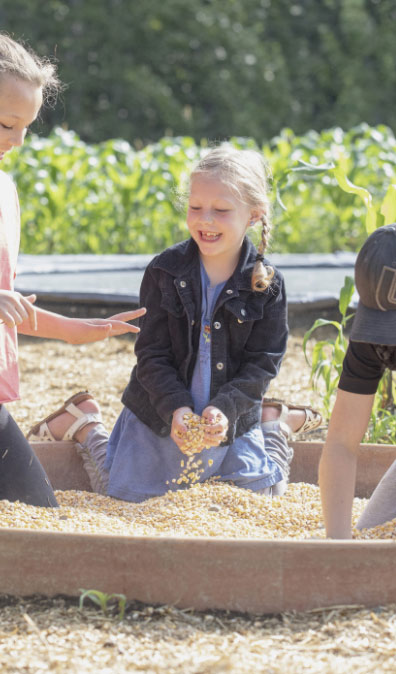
{"points": [[93, 453], [382, 504], [277, 448], [294, 419], [279, 421], [90, 435], [22, 478]]}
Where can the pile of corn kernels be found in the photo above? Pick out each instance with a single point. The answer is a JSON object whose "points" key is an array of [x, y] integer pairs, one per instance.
{"points": [[205, 509]]}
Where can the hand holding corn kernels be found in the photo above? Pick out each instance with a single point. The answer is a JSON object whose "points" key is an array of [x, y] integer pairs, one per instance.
{"points": [[215, 425], [193, 433]]}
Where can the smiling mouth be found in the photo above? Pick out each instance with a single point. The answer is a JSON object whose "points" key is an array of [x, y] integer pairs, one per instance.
{"points": [[210, 236]]}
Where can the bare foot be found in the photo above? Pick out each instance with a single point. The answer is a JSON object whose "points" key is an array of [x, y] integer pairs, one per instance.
{"points": [[294, 418], [60, 424]]}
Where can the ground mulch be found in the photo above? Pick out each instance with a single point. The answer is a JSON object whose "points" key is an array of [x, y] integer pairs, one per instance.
{"points": [[56, 635]]}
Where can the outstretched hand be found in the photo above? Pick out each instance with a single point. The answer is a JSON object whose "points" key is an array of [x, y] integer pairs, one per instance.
{"points": [[95, 329], [15, 308]]}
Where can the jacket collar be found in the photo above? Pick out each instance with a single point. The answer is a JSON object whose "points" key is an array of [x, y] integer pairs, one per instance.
{"points": [[183, 258]]}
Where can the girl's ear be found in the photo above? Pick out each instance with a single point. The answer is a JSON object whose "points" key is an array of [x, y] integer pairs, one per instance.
{"points": [[255, 216]]}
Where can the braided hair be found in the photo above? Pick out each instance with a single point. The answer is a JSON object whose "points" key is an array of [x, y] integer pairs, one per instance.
{"points": [[262, 274]]}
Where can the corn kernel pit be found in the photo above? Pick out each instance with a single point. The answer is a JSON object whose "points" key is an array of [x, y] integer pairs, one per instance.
{"points": [[210, 509]]}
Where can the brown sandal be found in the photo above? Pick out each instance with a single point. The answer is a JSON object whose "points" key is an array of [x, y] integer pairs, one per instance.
{"points": [[313, 418], [40, 432]]}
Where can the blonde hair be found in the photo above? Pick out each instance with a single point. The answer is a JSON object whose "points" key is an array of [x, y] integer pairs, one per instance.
{"points": [[23, 63], [246, 173]]}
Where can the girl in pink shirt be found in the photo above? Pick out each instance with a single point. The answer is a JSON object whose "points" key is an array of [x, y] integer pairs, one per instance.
{"points": [[25, 80]]}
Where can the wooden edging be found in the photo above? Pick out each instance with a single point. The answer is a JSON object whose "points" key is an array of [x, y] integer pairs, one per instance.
{"points": [[204, 573], [236, 575]]}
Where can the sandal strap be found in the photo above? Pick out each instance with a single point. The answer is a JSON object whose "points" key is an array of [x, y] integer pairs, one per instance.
{"points": [[82, 419], [312, 420], [41, 433], [284, 426]]}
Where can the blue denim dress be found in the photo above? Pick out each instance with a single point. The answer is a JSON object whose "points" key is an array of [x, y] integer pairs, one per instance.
{"points": [[142, 464]]}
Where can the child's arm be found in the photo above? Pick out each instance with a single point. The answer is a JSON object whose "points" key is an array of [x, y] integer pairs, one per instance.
{"points": [[337, 468], [79, 330]]}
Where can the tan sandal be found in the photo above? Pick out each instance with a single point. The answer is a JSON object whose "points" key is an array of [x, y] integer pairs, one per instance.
{"points": [[41, 432], [313, 418]]}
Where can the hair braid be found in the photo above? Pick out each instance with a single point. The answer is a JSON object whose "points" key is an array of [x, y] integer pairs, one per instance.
{"points": [[262, 274]]}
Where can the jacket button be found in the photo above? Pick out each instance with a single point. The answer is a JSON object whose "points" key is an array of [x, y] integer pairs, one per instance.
{"points": [[183, 284], [239, 320], [243, 312], [220, 366], [217, 325], [192, 322], [229, 291]]}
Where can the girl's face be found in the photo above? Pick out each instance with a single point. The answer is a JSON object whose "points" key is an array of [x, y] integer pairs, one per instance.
{"points": [[217, 220], [20, 103]]}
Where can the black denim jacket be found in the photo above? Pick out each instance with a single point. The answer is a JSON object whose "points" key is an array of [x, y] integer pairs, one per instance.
{"points": [[248, 340]]}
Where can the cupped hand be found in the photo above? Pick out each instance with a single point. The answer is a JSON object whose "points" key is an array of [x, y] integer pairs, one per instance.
{"points": [[15, 308], [216, 425], [179, 428]]}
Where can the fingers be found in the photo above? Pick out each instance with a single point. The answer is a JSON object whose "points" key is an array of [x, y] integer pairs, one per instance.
{"points": [[121, 328], [15, 309], [119, 324], [128, 315], [8, 318], [216, 426], [31, 310]]}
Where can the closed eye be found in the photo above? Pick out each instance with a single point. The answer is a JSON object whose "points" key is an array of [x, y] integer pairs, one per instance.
{"points": [[6, 127]]}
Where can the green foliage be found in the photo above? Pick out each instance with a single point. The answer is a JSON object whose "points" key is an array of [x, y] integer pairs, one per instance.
{"points": [[107, 198], [111, 198], [209, 68], [382, 426], [103, 600], [314, 214], [328, 354]]}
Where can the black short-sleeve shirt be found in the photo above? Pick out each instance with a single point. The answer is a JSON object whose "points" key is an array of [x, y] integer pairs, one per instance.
{"points": [[364, 365]]}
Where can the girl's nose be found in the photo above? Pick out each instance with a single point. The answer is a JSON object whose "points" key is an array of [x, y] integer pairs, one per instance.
{"points": [[207, 216], [17, 137]]}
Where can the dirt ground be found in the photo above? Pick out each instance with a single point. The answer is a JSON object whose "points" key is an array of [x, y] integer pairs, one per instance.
{"points": [[39, 635]]}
